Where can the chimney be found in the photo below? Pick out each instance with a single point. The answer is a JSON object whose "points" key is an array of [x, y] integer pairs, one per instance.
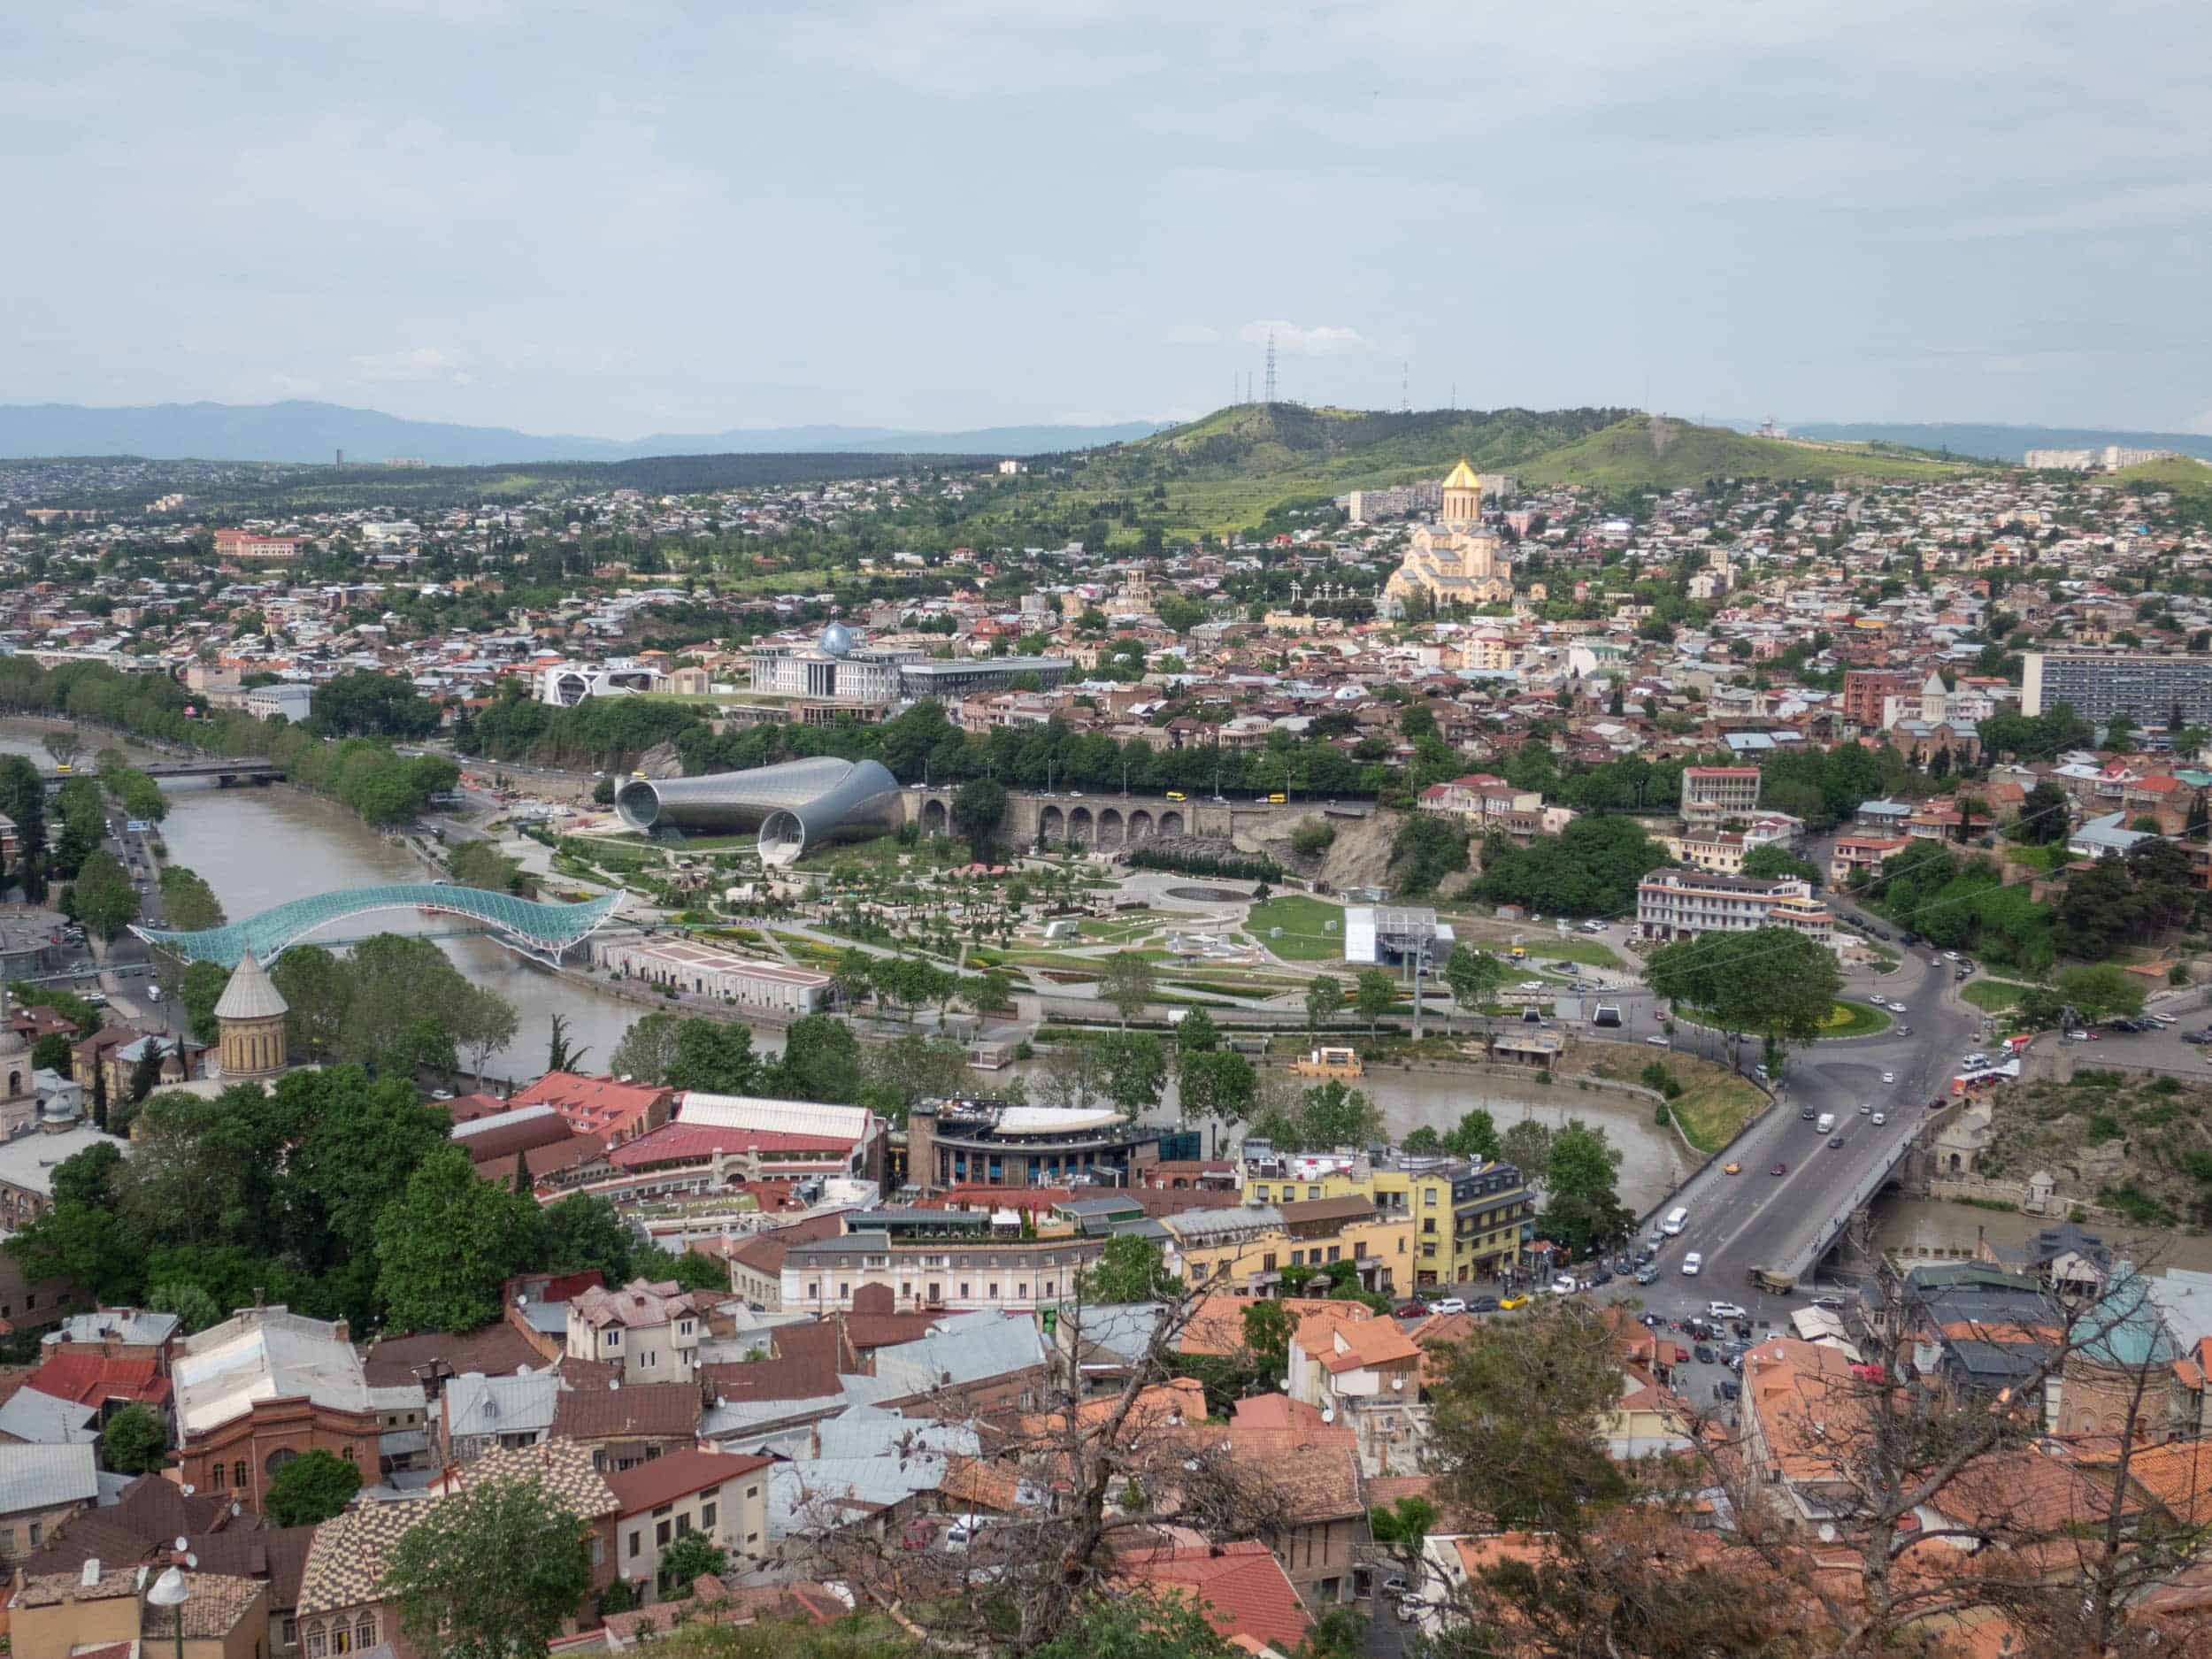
{"points": [[90, 1575]]}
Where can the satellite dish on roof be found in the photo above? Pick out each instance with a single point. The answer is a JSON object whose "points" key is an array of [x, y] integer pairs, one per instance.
{"points": [[182, 1544]]}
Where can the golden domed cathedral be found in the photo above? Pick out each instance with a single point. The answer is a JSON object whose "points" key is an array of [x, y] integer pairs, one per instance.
{"points": [[250, 1018], [1455, 561]]}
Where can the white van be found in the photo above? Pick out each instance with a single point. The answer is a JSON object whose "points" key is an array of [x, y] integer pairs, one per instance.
{"points": [[1827, 1122], [1678, 1218]]}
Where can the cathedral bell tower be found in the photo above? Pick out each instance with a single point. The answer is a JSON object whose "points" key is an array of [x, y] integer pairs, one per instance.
{"points": [[1463, 497]]}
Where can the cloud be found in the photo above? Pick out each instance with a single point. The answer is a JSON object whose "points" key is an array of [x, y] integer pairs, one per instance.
{"points": [[414, 364], [1320, 340]]}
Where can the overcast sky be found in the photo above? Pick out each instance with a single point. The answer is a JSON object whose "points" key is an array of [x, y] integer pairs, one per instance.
{"points": [[619, 218]]}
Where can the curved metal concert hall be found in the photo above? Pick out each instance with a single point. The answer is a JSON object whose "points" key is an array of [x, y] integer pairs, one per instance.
{"points": [[793, 804]]}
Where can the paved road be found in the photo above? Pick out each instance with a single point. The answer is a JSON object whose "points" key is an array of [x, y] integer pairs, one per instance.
{"points": [[1758, 1219]]}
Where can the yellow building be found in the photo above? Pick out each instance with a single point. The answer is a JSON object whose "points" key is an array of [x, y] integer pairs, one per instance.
{"points": [[1242, 1250], [1468, 1220], [1454, 561]]}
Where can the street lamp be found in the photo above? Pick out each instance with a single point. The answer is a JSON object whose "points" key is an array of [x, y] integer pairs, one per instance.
{"points": [[170, 1591]]}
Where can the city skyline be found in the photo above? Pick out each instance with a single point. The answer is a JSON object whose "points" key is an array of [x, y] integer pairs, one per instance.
{"points": [[957, 217]]}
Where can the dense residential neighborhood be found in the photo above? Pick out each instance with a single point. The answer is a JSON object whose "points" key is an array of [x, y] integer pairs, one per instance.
{"points": [[1141, 1279]]}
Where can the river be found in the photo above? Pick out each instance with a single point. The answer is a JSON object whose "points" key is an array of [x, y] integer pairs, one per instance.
{"points": [[259, 847], [1938, 1227]]}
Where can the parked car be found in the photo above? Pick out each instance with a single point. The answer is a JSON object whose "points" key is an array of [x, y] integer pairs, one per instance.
{"points": [[1412, 1309], [1725, 1310], [1482, 1304], [1647, 1275], [1448, 1304], [1658, 1042], [1507, 1304], [1834, 1304], [1704, 1356], [1564, 1286]]}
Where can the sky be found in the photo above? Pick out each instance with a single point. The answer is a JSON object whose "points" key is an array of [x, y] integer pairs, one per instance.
{"points": [[616, 219]]}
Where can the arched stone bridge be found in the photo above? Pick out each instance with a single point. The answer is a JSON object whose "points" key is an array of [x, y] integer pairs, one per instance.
{"points": [[1110, 821]]}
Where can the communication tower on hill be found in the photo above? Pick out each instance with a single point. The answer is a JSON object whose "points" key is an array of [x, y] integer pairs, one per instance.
{"points": [[1270, 367]]}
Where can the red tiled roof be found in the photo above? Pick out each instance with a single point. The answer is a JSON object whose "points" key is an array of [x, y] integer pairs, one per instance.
{"points": [[92, 1379], [594, 1105], [674, 1143], [1241, 1587], [648, 1485]]}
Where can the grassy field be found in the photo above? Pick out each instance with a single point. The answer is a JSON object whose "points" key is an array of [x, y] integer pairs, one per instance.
{"points": [[1854, 1019], [2182, 473], [1644, 453], [1589, 952], [1307, 935], [1714, 1102], [1992, 997]]}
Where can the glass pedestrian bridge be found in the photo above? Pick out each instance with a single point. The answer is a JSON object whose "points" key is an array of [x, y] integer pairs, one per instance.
{"points": [[533, 929]]}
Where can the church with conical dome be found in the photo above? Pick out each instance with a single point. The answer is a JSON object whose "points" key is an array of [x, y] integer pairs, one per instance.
{"points": [[250, 1023], [1453, 561]]}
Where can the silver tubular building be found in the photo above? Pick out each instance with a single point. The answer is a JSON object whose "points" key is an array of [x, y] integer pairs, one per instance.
{"points": [[793, 804]]}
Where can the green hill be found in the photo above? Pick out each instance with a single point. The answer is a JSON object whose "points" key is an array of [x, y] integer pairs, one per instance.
{"points": [[1656, 452], [2181, 473], [1232, 469]]}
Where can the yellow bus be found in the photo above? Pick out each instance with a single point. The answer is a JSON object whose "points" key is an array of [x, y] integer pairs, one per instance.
{"points": [[1175, 794], [1277, 798]]}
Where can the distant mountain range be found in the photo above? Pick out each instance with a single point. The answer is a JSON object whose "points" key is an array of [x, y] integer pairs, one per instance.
{"points": [[315, 433], [1992, 442]]}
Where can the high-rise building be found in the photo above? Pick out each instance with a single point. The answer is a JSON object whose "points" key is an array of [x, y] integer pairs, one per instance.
{"points": [[2100, 685]]}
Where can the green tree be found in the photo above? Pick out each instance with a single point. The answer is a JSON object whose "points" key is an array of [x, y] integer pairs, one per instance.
{"points": [[102, 897], [1772, 862], [482, 1022], [1128, 983], [1196, 1033], [316, 991], [648, 1050], [309, 1489], [1220, 1084], [1518, 1417], [1374, 994], [979, 807], [1474, 1136], [492, 1572], [1135, 1063], [133, 1442], [581, 1231], [1422, 1141], [1325, 999], [688, 1559], [2101, 990], [1334, 1116], [200, 988], [479, 864], [1475, 977], [714, 1057], [146, 1074], [559, 1055], [2046, 815], [1526, 1145], [195, 1309], [2120, 733], [446, 1244], [1268, 1328], [821, 1061], [1128, 1269]]}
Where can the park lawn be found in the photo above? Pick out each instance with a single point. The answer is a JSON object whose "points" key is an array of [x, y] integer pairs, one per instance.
{"points": [[1715, 1103], [1590, 953], [1108, 930], [1992, 996], [1313, 931], [1846, 1019]]}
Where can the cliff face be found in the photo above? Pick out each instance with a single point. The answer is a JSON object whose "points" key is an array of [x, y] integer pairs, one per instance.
{"points": [[2143, 1147]]}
